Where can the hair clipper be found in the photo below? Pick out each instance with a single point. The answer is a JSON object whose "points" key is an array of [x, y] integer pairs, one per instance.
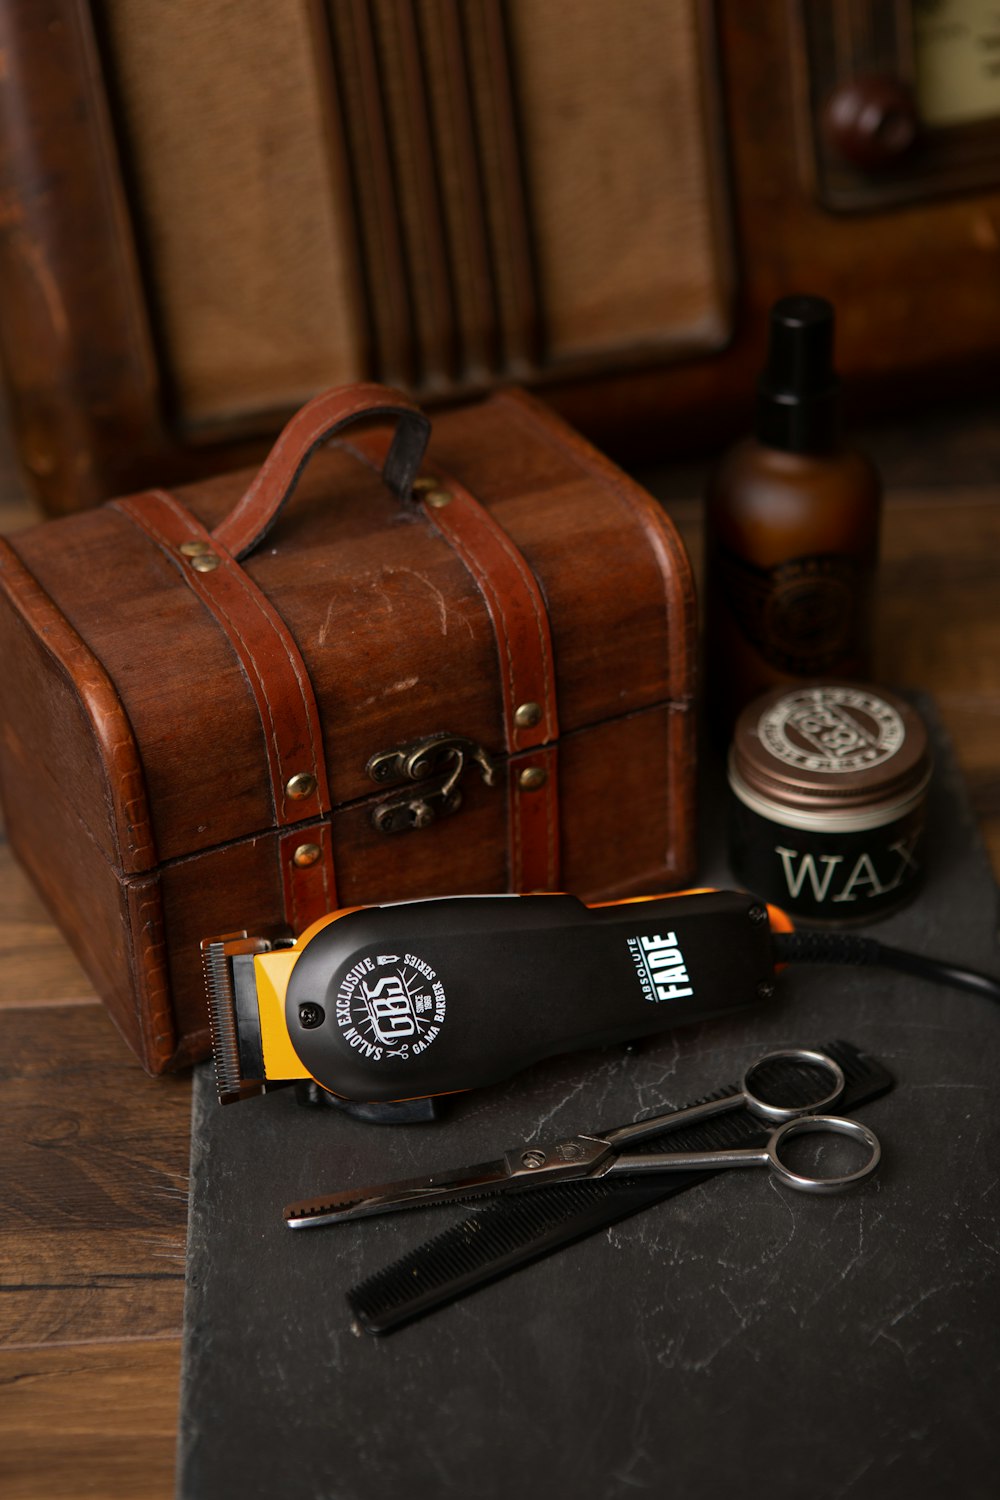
{"points": [[420, 998]]}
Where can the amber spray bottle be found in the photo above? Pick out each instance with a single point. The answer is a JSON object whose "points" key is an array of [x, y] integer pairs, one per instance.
{"points": [[791, 530]]}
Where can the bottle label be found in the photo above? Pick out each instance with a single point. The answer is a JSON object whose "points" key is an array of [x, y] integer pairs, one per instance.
{"points": [[804, 616]]}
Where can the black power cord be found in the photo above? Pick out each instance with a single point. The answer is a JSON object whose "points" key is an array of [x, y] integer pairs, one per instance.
{"points": [[812, 947]]}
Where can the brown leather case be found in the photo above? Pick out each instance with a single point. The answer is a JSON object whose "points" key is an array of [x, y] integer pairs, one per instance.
{"points": [[366, 673]]}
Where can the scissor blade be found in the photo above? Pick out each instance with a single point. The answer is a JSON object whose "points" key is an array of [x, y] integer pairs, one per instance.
{"points": [[414, 1192], [526, 1167]]}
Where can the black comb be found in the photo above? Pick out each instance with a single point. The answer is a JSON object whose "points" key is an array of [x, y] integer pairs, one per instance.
{"points": [[515, 1231]]}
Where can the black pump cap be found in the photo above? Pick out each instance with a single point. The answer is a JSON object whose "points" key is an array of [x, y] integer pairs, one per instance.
{"points": [[798, 394]]}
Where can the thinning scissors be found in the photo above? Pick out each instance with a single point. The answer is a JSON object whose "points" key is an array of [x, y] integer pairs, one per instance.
{"points": [[593, 1157]]}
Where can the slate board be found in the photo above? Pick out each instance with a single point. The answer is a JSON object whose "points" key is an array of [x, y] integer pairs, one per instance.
{"points": [[736, 1335]]}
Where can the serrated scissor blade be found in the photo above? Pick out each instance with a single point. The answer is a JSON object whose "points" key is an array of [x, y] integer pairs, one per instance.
{"points": [[525, 1167], [415, 1192]]}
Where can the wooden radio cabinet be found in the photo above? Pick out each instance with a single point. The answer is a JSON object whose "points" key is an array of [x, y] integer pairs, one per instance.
{"points": [[212, 210]]}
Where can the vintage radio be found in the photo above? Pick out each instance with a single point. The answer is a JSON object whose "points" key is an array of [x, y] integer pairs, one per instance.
{"points": [[215, 210]]}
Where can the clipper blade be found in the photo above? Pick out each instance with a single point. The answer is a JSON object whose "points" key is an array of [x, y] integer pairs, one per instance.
{"points": [[217, 956]]}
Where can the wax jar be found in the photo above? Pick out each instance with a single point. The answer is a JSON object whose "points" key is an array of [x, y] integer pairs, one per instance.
{"points": [[828, 783]]}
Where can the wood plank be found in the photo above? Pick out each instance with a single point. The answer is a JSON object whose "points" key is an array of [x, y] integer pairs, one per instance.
{"points": [[89, 1420], [92, 1217], [79, 1286], [939, 625], [36, 966]]}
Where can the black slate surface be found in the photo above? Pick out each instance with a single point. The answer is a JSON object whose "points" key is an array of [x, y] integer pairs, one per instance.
{"points": [[736, 1335]]}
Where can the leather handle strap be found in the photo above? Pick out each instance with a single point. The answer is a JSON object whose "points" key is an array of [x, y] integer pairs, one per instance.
{"points": [[251, 519]]}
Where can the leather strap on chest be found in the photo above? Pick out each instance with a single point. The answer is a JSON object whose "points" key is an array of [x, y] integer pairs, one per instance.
{"points": [[281, 689], [520, 621], [518, 613]]}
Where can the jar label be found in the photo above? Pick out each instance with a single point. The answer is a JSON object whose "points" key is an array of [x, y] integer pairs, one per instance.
{"points": [[832, 729], [828, 877], [805, 616], [835, 879]]}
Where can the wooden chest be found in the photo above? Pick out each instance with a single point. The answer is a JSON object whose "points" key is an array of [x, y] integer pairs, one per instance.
{"points": [[443, 672]]}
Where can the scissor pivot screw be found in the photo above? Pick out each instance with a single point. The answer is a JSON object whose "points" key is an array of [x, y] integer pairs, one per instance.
{"points": [[533, 1159]]}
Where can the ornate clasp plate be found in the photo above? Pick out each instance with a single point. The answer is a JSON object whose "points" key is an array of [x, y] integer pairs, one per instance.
{"points": [[437, 762]]}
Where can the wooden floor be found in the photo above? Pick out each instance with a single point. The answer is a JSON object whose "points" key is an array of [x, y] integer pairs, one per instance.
{"points": [[93, 1154]]}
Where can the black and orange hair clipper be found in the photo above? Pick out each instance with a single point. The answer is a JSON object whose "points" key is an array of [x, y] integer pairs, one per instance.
{"points": [[408, 1001]]}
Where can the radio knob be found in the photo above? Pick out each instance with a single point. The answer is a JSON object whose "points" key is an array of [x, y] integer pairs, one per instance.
{"points": [[872, 121]]}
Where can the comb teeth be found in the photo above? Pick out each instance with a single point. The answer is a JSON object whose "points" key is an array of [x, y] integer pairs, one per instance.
{"points": [[222, 1022], [481, 1248]]}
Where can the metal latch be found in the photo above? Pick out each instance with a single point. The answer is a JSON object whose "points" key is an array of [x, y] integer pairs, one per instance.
{"points": [[437, 762]]}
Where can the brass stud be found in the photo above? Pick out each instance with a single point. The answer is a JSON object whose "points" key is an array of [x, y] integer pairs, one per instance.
{"points": [[528, 715], [306, 855], [301, 785], [194, 549], [532, 778], [432, 492], [205, 562]]}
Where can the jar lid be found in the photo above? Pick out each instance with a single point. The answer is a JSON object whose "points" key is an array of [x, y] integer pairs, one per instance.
{"points": [[830, 747]]}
